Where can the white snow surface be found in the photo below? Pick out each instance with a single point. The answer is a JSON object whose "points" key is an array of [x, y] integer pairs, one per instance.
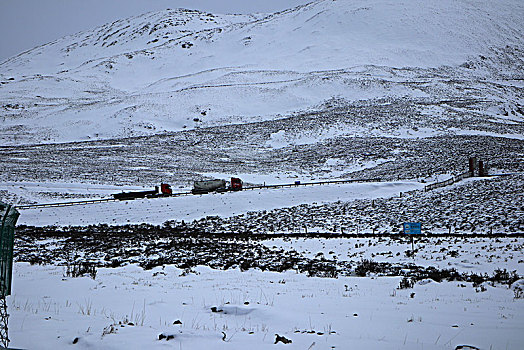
{"points": [[159, 210], [431, 251], [128, 308], [159, 71]]}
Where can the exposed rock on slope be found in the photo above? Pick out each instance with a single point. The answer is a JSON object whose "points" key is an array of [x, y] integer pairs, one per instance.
{"points": [[178, 69]]}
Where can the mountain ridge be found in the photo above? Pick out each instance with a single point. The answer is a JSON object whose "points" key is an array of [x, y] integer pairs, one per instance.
{"points": [[206, 69]]}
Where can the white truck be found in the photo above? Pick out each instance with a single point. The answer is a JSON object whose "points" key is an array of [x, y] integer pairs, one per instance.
{"points": [[206, 186]]}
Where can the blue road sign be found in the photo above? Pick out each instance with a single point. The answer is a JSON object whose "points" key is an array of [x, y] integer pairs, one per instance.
{"points": [[412, 228]]}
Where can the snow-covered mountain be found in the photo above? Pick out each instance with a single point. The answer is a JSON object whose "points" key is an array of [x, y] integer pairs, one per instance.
{"points": [[179, 69]]}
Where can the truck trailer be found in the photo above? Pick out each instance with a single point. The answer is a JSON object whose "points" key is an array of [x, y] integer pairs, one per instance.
{"points": [[163, 191], [216, 185]]}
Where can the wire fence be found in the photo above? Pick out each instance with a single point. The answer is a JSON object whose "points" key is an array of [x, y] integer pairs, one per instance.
{"points": [[447, 182], [8, 218]]}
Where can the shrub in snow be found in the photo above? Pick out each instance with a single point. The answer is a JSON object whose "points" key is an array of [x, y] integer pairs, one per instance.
{"points": [[406, 283], [518, 289], [366, 266], [80, 269], [504, 276]]}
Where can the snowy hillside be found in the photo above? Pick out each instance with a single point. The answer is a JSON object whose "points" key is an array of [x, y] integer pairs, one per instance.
{"points": [[180, 69]]}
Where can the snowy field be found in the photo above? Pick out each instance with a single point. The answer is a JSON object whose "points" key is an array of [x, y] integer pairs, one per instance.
{"points": [[157, 211], [400, 92], [170, 304], [131, 308], [465, 254], [224, 293]]}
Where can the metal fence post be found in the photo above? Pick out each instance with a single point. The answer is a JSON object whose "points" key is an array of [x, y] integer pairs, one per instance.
{"points": [[8, 216]]}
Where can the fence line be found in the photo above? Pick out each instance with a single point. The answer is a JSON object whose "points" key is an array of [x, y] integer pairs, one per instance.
{"points": [[447, 182]]}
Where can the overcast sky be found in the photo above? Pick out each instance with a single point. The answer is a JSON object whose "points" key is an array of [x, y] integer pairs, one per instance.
{"points": [[25, 24]]}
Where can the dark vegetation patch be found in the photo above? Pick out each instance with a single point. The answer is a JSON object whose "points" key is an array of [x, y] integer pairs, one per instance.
{"points": [[82, 249], [150, 246], [81, 268], [182, 157]]}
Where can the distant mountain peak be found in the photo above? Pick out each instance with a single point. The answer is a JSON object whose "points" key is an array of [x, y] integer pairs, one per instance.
{"points": [[158, 71]]}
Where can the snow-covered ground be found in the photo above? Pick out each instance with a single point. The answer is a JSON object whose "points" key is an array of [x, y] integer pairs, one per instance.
{"points": [[129, 308], [132, 308], [159, 210], [333, 89], [51, 192], [474, 205], [465, 254], [179, 69]]}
